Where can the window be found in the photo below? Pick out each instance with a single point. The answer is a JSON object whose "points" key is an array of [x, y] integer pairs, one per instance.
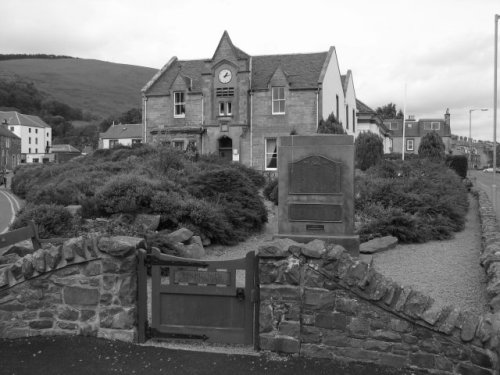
{"points": [[271, 157], [36, 151], [36, 131], [11, 128], [179, 104], [29, 150], [36, 141], [136, 141], [225, 109], [7, 142], [409, 144], [178, 145], [393, 126], [278, 94], [47, 134], [224, 92], [353, 120], [29, 130], [29, 140], [113, 143], [432, 125], [347, 117], [337, 103], [36, 160]]}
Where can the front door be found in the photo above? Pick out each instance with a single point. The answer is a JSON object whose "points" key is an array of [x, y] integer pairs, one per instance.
{"points": [[226, 148]]}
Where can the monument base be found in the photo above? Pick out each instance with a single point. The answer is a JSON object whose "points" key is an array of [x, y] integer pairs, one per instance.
{"points": [[350, 243]]}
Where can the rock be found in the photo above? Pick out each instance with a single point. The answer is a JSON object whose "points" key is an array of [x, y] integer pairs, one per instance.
{"points": [[9, 259], [195, 240], [120, 246], [74, 209], [4, 277], [334, 253], [378, 244], [147, 222], [28, 268], [193, 251], [52, 257], [74, 295], [313, 249], [205, 241], [278, 248], [76, 245], [17, 269], [180, 235], [19, 250]]}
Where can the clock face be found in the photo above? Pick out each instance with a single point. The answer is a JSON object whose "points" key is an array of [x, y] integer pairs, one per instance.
{"points": [[225, 76]]}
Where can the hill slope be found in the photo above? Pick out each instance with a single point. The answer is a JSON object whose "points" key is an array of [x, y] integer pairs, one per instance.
{"points": [[99, 87]]}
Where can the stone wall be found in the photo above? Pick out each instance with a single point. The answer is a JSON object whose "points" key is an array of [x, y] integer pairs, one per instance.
{"points": [[318, 301], [86, 286]]}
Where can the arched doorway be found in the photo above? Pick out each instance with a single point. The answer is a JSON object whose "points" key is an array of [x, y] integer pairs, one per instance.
{"points": [[226, 148]]}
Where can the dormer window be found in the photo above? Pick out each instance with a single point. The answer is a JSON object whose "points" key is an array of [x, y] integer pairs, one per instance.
{"points": [[278, 94], [179, 104]]}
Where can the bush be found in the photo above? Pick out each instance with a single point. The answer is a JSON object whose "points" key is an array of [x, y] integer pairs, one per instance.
{"points": [[271, 191], [330, 126], [369, 149], [64, 194], [52, 220], [458, 163], [236, 195], [431, 146], [125, 194]]}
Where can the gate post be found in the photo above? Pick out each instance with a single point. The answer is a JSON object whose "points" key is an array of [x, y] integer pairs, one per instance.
{"points": [[142, 296]]}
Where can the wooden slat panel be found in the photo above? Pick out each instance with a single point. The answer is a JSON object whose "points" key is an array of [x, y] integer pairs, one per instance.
{"points": [[21, 234], [198, 290], [202, 277]]}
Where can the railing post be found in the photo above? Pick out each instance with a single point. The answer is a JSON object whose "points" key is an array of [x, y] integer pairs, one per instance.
{"points": [[142, 296]]}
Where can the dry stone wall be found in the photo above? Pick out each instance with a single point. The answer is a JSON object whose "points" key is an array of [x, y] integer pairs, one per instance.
{"points": [[86, 286], [318, 301]]}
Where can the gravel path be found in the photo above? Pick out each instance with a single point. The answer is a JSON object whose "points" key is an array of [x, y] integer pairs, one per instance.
{"points": [[448, 271]]}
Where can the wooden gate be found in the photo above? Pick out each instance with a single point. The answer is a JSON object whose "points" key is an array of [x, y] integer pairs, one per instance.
{"points": [[214, 301]]}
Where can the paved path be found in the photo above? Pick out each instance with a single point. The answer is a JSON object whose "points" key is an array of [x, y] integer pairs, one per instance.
{"points": [[484, 181], [9, 205], [448, 271]]}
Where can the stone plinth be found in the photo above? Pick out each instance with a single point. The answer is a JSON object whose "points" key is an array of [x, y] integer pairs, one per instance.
{"points": [[316, 189]]}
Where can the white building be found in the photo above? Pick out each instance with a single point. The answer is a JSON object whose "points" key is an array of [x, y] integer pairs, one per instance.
{"points": [[121, 134], [35, 134]]}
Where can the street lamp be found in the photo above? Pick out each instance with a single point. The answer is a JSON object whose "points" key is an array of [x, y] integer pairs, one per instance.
{"points": [[495, 104], [470, 132]]}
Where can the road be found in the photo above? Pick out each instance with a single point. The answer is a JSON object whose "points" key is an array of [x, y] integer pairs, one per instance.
{"points": [[9, 205], [484, 181]]}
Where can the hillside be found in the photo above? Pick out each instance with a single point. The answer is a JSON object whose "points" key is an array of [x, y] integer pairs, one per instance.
{"points": [[99, 87]]}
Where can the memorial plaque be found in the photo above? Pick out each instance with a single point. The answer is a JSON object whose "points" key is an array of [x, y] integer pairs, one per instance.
{"points": [[328, 213], [202, 277], [314, 175]]}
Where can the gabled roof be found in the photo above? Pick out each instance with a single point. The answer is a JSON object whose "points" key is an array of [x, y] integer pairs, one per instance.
{"points": [[362, 107], [16, 118], [123, 131], [190, 69], [302, 70], [4, 132], [63, 148], [345, 81], [237, 52]]}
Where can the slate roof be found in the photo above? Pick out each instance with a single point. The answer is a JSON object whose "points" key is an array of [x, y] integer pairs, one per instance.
{"points": [[362, 107], [16, 118], [63, 148], [4, 132], [123, 131]]}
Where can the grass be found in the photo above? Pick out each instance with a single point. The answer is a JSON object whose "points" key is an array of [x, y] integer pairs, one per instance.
{"points": [[99, 87]]}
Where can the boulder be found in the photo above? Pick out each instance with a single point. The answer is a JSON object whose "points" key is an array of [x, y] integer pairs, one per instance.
{"points": [[378, 244], [120, 246], [8, 259], [19, 250], [147, 222], [180, 235], [193, 251]]}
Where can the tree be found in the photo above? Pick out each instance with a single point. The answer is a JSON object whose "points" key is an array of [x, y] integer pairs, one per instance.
{"points": [[330, 126], [432, 147], [369, 150], [389, 111]]}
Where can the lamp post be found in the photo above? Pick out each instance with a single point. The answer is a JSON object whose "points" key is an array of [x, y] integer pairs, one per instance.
{"points": [[470, 132], [495, 104]]}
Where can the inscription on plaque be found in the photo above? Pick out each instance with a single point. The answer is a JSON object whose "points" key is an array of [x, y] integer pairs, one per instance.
{"points": [[314, 175], [328, 213], [202, 277], [315, 227]]}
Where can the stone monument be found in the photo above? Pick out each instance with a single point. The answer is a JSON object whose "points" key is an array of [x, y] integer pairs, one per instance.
{"points": [[316, 189]]}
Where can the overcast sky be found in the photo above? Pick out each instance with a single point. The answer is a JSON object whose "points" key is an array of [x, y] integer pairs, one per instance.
{"points": [[441, 49]]}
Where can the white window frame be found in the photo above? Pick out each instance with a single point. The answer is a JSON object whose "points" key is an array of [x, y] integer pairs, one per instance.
{"points": [[393, 126], [269, 155], [277, 100], [435, 125], [222, 108], [178, 144], [408, 143], [179, 104], [229, 108]]}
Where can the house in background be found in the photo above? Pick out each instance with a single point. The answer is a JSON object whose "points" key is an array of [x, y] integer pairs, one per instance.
{"points": [[64, 153], [370, 121], [415, 130], [10, 149], [35, 134], [121, 134], [237, 105], [479, 153]]}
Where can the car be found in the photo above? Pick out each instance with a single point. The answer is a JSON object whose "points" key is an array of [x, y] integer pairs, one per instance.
{"points": [[490, 170]]}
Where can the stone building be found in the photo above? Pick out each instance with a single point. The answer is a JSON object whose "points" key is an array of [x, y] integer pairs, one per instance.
{"points": [[10, 149], [415, 130], [236, 105]]}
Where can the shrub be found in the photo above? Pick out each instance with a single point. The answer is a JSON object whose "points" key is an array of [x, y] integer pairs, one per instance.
{"points": [[64, 194], [52, 220], [369, 149], [271, 191], [431, 146], [330, 126], [236, 195], [253, 175], [125, 194], [458, 163], [170, 207]]}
